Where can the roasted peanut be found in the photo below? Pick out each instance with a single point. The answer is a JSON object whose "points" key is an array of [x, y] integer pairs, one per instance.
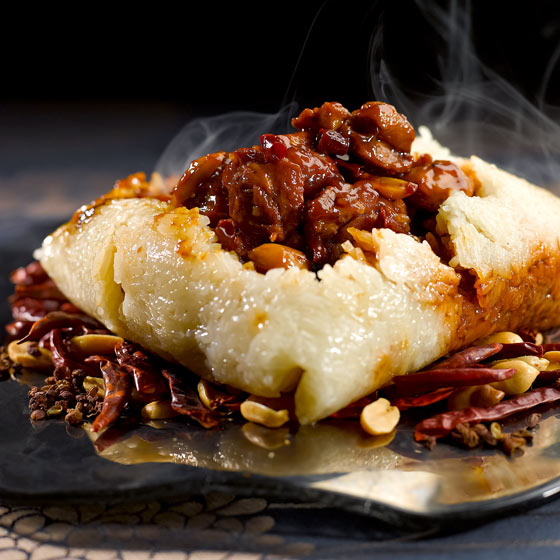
{"points": [[158, 410], [479, 395], [264, 415], [95, 344], [379, 417], [553, 358], [30, 355], [539, 338], [503, 337], [273, 255], [539, 363], [521, 381], [97, 382], [203, 394]]}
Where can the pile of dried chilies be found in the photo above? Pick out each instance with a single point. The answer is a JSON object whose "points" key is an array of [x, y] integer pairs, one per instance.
{"points": [[93, 375]]}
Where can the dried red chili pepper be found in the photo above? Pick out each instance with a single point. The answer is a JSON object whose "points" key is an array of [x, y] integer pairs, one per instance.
{"points": [[404, 403], [117, 391], [550, 375], [46, 290], [551, 347], [441, 424], [17, 329], [428, 380], [32, 309], [147, 380], [186, 401], [28, 275], [469, 356], [515, 349], [60, 320], [62, 358]]}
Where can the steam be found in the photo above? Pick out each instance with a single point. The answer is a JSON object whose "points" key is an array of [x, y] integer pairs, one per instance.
{"points": [[227, 132], [470, 108], [473, 109]]}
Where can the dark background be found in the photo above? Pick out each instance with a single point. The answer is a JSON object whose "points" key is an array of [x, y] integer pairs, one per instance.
{"points": [[92, 94], [210, 56]]}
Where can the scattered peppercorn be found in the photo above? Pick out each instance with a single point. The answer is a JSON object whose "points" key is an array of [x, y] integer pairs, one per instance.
{"points": [[58, 397], [493, 436], [73, 416]]}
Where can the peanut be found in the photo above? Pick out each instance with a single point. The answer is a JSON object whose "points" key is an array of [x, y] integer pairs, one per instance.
{"points": [[479, 395], [203, 394], [19, 353], [158, 410], [553, 358], [539, 363], [264, 415], [503, 337], [522, 379], [94, 344], [273, 255], [379, 417], [539, 338]]}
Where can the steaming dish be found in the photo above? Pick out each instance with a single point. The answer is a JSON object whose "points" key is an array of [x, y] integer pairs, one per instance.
{"points": [[310, 271]]}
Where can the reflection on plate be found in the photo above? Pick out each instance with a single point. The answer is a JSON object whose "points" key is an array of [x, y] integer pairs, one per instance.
{"points": [[337, 457], [391, 477]]}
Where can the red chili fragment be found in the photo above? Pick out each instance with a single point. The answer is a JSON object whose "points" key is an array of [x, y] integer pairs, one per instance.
{"points": [[429, 380], [442, 424], [186, 401], [404, 403], [272, 146], [117, 390]]}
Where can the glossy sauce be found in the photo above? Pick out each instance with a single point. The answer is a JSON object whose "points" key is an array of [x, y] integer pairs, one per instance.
{"points": [[304, 190]]}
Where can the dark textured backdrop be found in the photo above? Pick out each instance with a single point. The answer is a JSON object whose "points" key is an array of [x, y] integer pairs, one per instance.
{"points": [[211, 55]]}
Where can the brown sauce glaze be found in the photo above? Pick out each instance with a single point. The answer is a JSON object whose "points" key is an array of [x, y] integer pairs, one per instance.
{"points": [[133, 186], [521, 301], [304, 190]]}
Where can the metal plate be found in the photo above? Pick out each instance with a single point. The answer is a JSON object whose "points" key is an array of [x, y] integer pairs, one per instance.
{"points": [[397, 480]]}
